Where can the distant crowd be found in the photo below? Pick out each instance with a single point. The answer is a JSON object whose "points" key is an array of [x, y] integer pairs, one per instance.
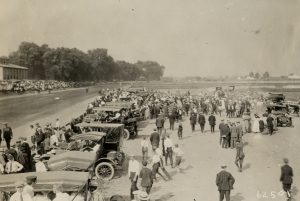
{"points": [[23, 86]]}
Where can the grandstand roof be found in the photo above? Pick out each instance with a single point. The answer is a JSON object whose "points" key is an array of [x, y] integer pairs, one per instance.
{"points": [[13, 66]]}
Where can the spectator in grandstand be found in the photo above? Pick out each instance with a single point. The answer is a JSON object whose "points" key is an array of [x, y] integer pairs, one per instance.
{"points": [[12, 166]]}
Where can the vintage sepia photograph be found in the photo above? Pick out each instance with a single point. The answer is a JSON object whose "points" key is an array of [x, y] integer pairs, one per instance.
{"points": [[149, 100]]}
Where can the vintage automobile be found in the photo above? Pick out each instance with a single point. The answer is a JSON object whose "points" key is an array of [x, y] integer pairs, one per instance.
{"points": [[231, 88], [109, 156], [113, 115], [293, 107], [281, 113], [276, 97]]}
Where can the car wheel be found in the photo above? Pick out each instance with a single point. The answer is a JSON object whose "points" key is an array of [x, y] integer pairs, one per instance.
{"points": [[126, 134], [134, 134], [104, 171]]}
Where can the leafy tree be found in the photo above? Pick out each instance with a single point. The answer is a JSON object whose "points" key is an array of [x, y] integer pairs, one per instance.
{"points": [[103, 64], [257, 75], [30, 55], [151, 70], [127, 71], [251, 74], [71, 64]]}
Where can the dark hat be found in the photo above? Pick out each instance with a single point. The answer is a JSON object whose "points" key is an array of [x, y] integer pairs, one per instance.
{"points": [[145, 163], [223, 166], [286, 161], [31, 178], [10, 157]]}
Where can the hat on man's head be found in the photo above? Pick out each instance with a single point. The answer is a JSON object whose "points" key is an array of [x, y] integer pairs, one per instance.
{"points": [[31, 178], [37, 157], [143, 196], [144, 163], [223, 166], [154, 129], [286, 161]]}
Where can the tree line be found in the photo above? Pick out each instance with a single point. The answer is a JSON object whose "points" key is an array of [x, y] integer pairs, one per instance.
{"points": [[72, 64], [265, 75]]}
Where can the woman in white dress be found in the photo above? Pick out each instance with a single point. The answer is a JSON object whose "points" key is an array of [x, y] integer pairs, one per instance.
{"points": [[255, 127]]}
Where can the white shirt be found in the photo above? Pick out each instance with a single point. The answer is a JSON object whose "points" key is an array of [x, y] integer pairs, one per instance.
{"points": [[1, 168], [155, 158], [53, 140], [134, 166], [144, 143], [178, 152], [168, 143], [17, 197], [13, 166], [62, 197], [57, 124], [159, 152], [28, 190], [40, 167]]}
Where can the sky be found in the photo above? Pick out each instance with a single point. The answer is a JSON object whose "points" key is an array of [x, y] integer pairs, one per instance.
{"points": [[188, 37]]}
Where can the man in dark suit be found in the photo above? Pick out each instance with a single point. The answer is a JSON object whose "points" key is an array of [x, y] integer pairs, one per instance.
{"points": [[7, 135], [201, 121], [240, 155], [212, 122], [193, 120], [222, 129], [286, 177], [154, 139], [146, 176], [225, 183], [270, 124], [160, 121]]}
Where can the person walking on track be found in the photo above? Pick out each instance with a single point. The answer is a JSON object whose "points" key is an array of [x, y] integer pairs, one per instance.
{"points": [[286, 177]]}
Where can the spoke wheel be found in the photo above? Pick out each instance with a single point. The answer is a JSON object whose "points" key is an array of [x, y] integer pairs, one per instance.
{"points": [[126, 134], [104, 171]]}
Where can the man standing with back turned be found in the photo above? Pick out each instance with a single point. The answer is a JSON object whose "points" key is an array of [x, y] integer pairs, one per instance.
{"points": [[225, 183], [286, 177]]}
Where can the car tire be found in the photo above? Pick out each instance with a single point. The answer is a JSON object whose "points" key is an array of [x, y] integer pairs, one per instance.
{"points": [[105, 171], [126, 134]]}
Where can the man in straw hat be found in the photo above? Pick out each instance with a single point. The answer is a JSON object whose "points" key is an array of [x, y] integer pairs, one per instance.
{"points": [[286, 177], [29, 187], [133, 172], [20, 195], [39, 165], [224, 183]]}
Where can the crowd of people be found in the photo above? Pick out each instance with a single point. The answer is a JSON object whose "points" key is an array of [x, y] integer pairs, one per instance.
{"points": [[239, 113], [25, 86]]}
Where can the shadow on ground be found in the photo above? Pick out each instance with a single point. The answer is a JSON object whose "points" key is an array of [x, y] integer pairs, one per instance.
{"points": [[237, 197]]}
